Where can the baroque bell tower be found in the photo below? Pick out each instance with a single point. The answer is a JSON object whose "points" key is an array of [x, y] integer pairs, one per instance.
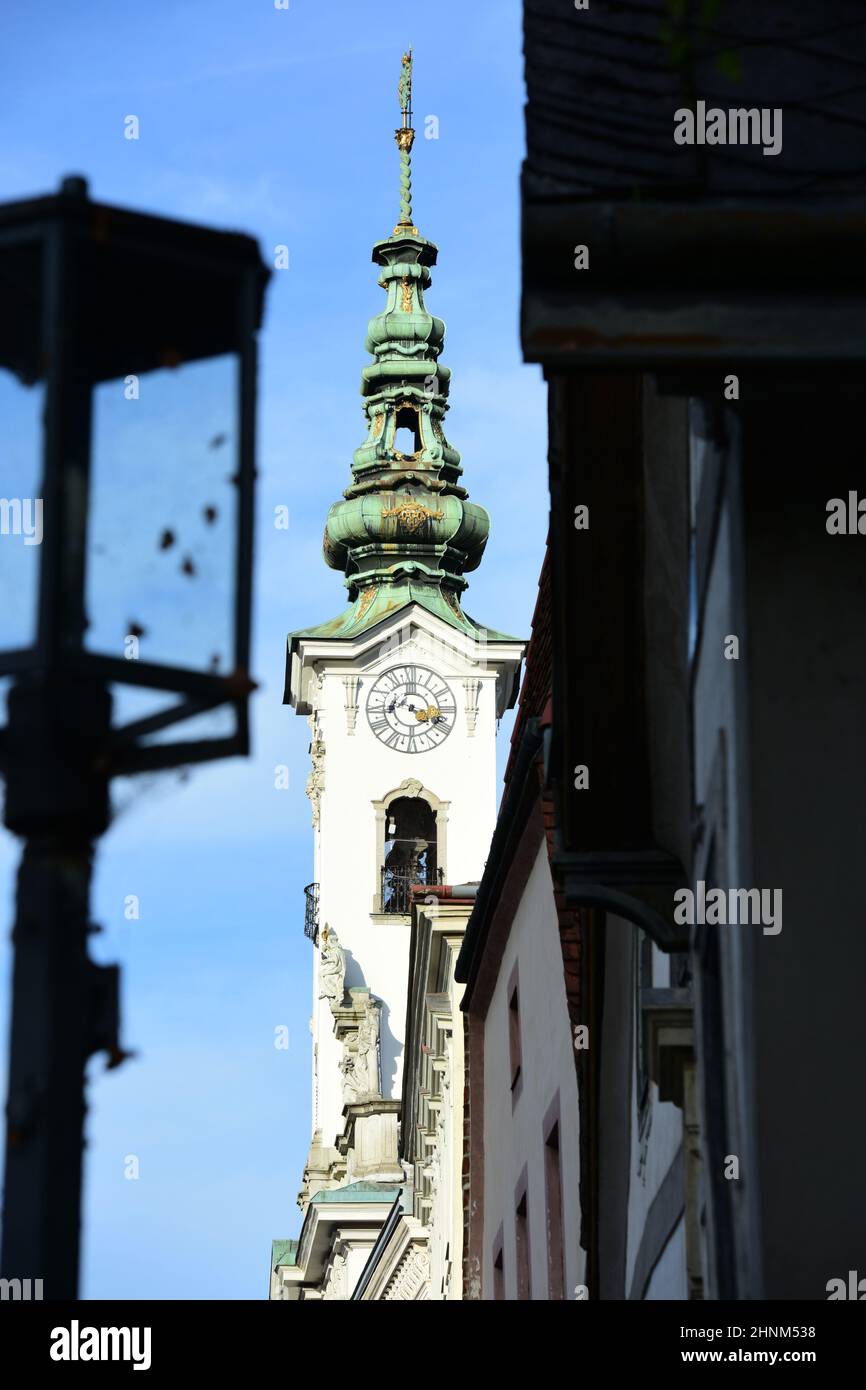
{"points": [[402, 692]]}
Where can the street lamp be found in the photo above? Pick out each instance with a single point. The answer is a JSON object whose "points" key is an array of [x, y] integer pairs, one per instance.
{"points": [[127, 395]]}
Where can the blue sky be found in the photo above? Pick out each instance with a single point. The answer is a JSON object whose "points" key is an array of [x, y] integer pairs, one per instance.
{"points": [[280, 124]]}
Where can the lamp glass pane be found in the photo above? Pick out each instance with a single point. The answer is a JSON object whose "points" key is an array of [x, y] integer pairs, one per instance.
{"points": [[163, 520], [131, 703]]}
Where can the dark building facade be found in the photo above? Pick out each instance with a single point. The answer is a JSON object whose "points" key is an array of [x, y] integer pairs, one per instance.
{"points": [[698, 311]]}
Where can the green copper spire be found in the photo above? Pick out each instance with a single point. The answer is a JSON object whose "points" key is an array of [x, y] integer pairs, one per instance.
{"points": [[404, 531]]}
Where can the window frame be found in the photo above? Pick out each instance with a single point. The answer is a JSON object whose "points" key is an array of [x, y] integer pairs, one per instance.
{"points": [[553, 1204]]}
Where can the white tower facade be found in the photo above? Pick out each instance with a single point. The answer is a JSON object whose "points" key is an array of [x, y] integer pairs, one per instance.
{"points": [[377, 772]]}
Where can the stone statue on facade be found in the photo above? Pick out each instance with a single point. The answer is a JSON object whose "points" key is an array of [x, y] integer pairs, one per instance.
{"points": [[332, 971]]}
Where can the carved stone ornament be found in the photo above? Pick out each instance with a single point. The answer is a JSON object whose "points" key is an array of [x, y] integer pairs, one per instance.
{"points": [[351, 685], [360, 1063], [472, 689], [316, 779], [433, 1169], [411, 1279], [338, 1278]]}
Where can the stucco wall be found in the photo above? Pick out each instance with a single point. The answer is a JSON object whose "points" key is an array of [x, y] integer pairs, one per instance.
{"points": [[651, 1158], [514, 1137], [446, 1212], [668, 1279]]}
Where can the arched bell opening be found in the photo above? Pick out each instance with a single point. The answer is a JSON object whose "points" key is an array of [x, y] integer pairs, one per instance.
{"points": [[410, 851], [407, 432], [410, 846]]}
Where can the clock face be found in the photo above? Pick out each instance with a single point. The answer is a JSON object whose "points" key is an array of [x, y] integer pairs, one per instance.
{"points": [[411, 709]]}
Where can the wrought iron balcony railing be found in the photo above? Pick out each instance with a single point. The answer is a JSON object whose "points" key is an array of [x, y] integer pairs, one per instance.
{"points": [[397, 884], [311, 912]]}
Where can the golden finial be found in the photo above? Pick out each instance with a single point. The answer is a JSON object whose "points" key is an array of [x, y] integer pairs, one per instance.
{"points": [[405, 137], [404, 89]]}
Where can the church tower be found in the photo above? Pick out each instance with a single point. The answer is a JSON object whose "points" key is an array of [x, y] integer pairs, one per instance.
{"points": [[402, 692]]}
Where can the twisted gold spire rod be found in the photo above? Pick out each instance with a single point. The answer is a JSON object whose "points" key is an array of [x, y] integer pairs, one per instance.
{"points": [[405, 136]]}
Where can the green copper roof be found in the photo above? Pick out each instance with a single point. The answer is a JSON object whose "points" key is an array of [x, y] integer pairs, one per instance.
{"points": [[284, 1252], [358, 1192], [404, 530], [385, 600]]}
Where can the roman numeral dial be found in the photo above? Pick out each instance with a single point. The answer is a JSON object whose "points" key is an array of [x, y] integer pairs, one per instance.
{"points": [[411, 709]]}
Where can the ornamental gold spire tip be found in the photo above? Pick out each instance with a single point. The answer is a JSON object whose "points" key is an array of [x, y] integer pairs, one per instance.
{"points": [[405, 136], [404, 89]]}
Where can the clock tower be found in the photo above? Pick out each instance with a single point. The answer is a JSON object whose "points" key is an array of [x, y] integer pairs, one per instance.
{"points": [[402, 692]]}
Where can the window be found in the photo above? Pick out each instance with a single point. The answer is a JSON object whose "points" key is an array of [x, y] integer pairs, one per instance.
{"points": [[643, 981], [553, 1198], [521, 1234], [514, 1052], [498, 1269]]}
